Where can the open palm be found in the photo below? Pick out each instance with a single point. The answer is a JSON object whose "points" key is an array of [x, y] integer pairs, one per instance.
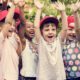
{"points": [[59, 6], [75, 6], [38, 4]]}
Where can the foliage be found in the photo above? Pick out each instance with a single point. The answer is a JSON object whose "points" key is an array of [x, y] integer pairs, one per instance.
{"points": [[47, 9]]}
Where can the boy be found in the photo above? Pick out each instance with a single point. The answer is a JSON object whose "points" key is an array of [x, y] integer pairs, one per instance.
{"points": [[10, 46], [50, 65]]}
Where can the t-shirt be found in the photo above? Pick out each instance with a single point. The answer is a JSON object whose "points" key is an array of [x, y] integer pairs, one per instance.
{"points": [[29, 61], [50, 65], [9, 59], [1, 48], [71, 57]]}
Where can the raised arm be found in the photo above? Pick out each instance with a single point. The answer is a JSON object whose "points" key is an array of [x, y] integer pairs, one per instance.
{"points": [[9, 17], [37, 20], [19, 48], [21, 4], [75, 7], [61, 7], [23, 24]]}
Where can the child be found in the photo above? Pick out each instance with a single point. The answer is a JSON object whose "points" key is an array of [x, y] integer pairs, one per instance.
{"points": [[29, 53], [10, 48], [50, 65], [71, 48]]}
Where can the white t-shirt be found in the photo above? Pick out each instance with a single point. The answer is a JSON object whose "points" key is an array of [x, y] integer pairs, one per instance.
{"points": [[29, 62], [1, 48], [9, 59], [50, 66]]}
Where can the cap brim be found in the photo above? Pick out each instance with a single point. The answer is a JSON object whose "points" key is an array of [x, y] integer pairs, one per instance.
{"points": [[49, 20], [3, 14]]}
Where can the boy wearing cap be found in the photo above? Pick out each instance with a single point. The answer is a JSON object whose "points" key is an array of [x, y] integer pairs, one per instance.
{"points": [[71, 47], [10, 48], [50, 65]]}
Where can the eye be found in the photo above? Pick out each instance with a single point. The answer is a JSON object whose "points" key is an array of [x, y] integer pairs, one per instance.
{"points": [[53, 29], [28, 26], [46, 29], [70, 29], [10, 31]]}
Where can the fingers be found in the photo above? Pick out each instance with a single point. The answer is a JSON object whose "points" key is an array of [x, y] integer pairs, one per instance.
{"points": [[38, 4], [60, 6]]}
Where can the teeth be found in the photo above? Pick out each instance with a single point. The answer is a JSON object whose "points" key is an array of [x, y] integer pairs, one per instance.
{"points": [[31, 33]]}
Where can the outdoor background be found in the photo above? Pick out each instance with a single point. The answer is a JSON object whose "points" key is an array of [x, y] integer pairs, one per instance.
{"points": [[48, 9]]}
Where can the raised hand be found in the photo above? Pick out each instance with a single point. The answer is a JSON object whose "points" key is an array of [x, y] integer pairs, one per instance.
{"points": [[59, 6], [21, 3], [75, 6], [15, 2], [38, 4]]}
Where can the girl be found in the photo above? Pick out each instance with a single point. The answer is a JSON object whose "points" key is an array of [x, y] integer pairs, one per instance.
{"points": [[29, 53], [71, 48]]}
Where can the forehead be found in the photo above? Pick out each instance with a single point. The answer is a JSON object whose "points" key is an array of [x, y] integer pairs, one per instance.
{"points": [[47, 25], [29, 24]]}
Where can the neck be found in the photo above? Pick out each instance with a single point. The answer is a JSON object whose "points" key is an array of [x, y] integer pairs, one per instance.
{"points": [[28, 38]]}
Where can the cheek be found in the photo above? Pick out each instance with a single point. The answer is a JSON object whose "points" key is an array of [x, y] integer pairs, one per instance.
{"points": [[68, 32], [55, 33], [27, 29], [44, 33]]}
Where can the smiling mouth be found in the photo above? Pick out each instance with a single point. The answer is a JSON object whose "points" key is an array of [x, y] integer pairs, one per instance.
{"points": [[50, 36], [32, 33], [72, 35]]}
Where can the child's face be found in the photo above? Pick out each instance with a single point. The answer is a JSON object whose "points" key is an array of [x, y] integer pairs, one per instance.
{"points": [[49, 32], [71, 33], [11, 30], [30, 30]]}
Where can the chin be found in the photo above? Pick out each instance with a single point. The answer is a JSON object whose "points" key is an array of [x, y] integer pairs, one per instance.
{"points": [[9, 35], [50, 41], [31, 37]]}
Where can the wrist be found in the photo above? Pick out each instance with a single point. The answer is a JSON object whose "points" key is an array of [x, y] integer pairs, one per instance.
{"points": [[62, 11]]}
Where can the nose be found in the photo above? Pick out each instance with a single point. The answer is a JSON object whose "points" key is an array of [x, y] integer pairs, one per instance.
{"points": [[31, 27], [50, 31], [73, 31]]}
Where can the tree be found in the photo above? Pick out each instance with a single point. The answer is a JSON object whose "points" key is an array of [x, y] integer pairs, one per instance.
{"points": [[48, 9]]}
